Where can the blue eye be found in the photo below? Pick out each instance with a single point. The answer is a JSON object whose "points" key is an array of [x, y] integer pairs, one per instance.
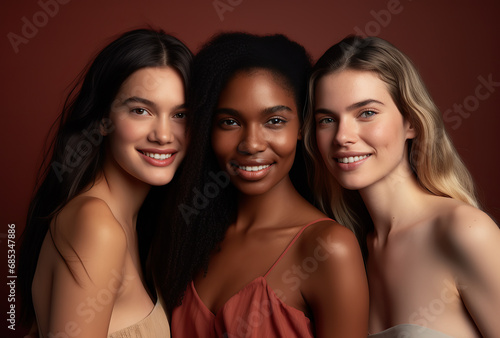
{"points": [[326, 120], [367, 113]]}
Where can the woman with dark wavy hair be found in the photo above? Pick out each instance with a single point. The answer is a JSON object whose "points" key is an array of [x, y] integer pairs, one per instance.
{"points": [[385, 167], [256, 259], [122, 130]]}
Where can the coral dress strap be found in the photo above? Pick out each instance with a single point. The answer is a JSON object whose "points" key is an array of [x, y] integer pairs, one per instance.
{"points": [[293, 241]]}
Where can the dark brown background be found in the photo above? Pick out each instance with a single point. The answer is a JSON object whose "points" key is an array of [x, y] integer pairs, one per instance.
{"points": [[454, 44]]}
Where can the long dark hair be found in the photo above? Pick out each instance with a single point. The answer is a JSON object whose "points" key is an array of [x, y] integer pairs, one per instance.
{"points": [[77, 151], [206, 202]]}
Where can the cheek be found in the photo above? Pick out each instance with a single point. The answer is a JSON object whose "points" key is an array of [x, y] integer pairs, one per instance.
{"points": [[324, 141], [380, 133], [127, 131], [388, 136], [179, 131], [283, 144], [221, 145]]}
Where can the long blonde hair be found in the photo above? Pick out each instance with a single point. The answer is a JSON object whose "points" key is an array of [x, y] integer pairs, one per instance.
{"points": [[433, 158]]}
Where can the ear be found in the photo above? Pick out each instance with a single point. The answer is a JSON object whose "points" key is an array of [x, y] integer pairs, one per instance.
{"points": [[299, 135], [411, 133], [103, 127]]}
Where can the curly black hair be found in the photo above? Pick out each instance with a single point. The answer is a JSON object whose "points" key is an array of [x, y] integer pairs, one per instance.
{"points": [[205, 203]]}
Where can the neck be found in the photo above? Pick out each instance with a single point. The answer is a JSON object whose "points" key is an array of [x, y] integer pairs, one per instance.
{"points": [[270, 208], [393, 202], [125, 193]]}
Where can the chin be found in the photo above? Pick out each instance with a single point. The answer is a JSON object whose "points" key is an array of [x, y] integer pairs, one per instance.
{"points": [[251, 189], [350, 184], [159, 180]]}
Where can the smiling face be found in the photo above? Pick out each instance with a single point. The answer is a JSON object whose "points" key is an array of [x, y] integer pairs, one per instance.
{"points": [[360, 132], [148, 140], [255, 131]]}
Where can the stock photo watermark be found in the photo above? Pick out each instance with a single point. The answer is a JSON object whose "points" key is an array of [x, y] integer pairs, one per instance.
{"points": [[75, 155], [90, 308], [429, 313], [201, 199], [93, 138], [471, 103], [262, 309], [293, 278], [11, 276], [32, 24], [382, 19], [223, 6]]}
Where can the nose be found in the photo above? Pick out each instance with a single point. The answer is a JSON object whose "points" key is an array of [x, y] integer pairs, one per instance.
{"points": [[346, 132], [161, 131], [252, 141]]}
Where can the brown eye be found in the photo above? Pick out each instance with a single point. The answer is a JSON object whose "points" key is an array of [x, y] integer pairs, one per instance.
{"points": [[180, 115], [139, 111], [276, 121], [228, 122]]}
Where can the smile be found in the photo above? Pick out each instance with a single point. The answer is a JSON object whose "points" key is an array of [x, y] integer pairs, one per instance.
{"points": [[253, 168], [351, 159], [157, 156]]}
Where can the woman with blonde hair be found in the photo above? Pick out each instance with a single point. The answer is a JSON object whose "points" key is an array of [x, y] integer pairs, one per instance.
{"points": [[385, 167]]}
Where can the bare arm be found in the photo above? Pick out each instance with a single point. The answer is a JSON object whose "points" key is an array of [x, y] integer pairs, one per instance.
{"points": [[337, 291], [86, 282], [33, 331], [475, 251]]}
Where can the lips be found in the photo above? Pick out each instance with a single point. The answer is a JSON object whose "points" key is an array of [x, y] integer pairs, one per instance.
{"points": [[158, 157], [253, 168], [251, 171], [351, 159]]}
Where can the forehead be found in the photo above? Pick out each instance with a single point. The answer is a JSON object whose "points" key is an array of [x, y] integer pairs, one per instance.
{"points": [[269, 74], [255, 85], [349, 86], [150, 79]]}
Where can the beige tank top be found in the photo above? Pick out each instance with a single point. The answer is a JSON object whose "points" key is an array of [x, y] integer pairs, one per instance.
{"points": [[409, 331], [155, 325]]}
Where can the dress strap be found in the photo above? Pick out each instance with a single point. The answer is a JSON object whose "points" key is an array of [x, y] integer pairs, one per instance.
{"points": [[295, 239]]}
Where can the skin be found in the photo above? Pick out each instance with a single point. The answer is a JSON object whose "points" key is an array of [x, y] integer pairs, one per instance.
{"points": [[432, 260], [256, 123], [100, 288]]}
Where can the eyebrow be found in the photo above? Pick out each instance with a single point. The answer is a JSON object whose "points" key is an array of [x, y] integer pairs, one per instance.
{"points": [[266, 111], [351, 107], [363, 103], [149, 102]]}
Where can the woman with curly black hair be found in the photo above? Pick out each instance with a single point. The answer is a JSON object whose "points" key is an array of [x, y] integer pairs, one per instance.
{"points": [[256, 258]]}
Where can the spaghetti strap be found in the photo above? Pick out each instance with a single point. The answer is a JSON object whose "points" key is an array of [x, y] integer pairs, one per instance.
{"points": [[295, 239]]}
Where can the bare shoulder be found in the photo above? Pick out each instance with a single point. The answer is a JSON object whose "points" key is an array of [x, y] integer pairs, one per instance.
{"points": [[339, 241], [465, 229], [87, 225], [462, 222], [336, 288]]}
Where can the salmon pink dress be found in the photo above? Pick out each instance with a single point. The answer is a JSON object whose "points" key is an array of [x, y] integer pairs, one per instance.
{"points": [[255, 311]]}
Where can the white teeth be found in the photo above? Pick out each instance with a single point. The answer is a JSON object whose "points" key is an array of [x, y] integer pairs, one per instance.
{"points": [[351, 159], [157, 156], [254, 168]]}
